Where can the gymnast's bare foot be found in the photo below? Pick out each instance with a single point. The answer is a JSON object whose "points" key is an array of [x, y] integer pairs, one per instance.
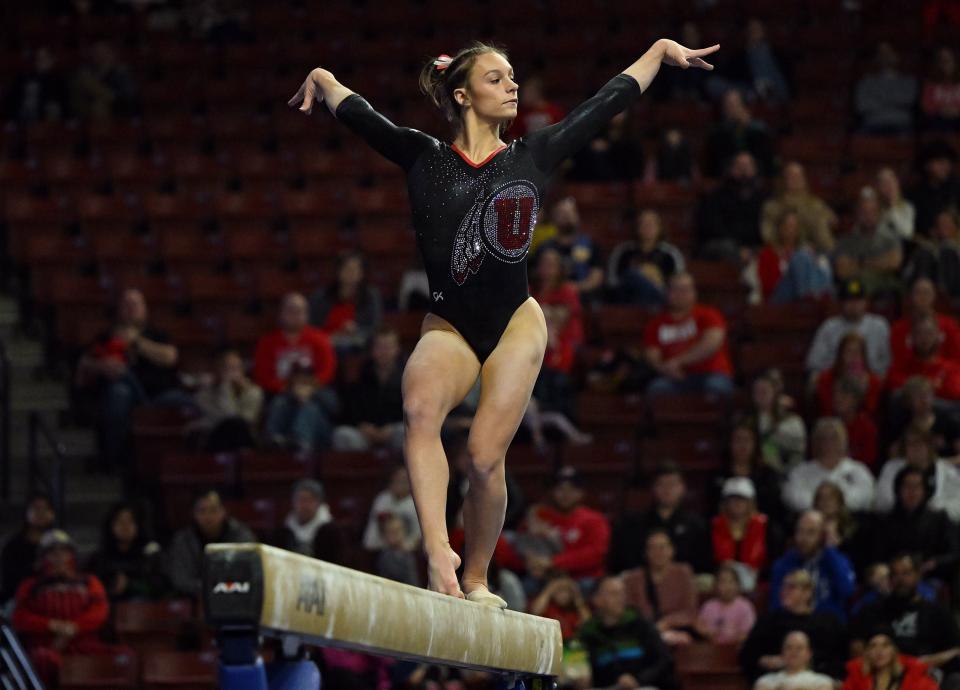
{"points": [[442, 564]]}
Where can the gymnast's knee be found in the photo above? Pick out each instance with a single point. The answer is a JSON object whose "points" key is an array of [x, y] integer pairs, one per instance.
{"points": [[422, 413], [486, 461]]}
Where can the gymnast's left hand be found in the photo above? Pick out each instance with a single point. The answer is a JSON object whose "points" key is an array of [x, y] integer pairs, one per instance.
{"points": [[680, 56]]}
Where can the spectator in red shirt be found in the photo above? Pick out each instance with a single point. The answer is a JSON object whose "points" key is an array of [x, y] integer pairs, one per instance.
{"points": [[349, 309], [940, 94], [60, 610], [536, 111], [861, 431], [924, 359], [922, 301], [687, 345], [581, 534], [739, 532], [849, 365]]}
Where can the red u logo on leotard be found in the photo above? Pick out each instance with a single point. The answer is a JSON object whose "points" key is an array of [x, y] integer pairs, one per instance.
{"points": [[513, 221]]}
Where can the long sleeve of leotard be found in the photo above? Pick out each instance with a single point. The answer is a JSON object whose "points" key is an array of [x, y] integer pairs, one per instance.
{"points": [[402, 145], [552, 145]]}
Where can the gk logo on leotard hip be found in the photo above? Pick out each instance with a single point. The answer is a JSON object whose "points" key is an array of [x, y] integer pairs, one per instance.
{"points": [[501, 224]]}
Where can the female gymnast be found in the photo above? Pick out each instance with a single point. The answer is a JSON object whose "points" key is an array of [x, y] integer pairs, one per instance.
{"points": [[474, 204]]}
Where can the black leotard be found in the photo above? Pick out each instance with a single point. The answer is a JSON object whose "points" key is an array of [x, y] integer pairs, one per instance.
{"points": [[473, 221]]}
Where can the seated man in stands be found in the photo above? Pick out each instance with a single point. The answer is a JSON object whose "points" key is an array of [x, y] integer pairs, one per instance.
{"points": [[870, 251], [625, 649], [211, 524], [924, 357], [833, 575], [797, 656], [687, 344], [922, 301], [131, 364], [60, 610], [373, 405]]}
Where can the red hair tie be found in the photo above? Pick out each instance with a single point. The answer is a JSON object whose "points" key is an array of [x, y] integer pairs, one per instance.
{"points": [[442, 62]]}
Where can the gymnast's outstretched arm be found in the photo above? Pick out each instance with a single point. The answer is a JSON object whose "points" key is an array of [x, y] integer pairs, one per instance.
{"points": [[551, 145], [402, 145]]}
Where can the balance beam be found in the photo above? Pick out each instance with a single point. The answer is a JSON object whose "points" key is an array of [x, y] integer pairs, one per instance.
{"points": [[287, 594]]}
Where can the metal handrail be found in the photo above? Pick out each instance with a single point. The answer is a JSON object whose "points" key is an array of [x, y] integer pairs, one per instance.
{"points": [[15, 660], [50, 482], [5, 412]]}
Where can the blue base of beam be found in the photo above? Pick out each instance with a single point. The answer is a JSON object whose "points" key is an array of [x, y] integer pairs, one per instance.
{"points": [[280, 675]]}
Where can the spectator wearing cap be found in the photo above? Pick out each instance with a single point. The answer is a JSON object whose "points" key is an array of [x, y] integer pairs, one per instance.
{"points": [[663, 590], [870, 251], [686, 528], [762, 651], [796, 674], [727, 616], [19, 553], [211, 524], [832, 574], [883, 666], [60, 610], [830, 462], [739, 533], [686, 345], [918, 449], [309, 528], [581, 534], [744, 460], [853, 316], [924, 358], [939, 185], [921, 303]]}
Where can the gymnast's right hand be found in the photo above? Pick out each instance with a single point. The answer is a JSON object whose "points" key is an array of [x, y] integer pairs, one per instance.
{"points": [[311, 91]]}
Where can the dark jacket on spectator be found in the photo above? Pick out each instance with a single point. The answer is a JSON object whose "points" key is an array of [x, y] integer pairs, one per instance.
{"points": [[142, 566], [691, 540], [633, 646], [828, 640], [185, 555]]}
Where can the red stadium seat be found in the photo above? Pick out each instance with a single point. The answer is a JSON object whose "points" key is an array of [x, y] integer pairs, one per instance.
{"points": [[180, 671], [151, 625], [611, 416], [259, 514], [707, 666], [120, 671], [619, 325]]}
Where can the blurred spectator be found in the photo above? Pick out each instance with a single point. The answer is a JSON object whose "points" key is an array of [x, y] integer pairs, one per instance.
{"points": [[738, 132], [395, 561], [639, 269], [829, 462], [922, 302], [762, 650], [211, 524], [60, 610], [883, 666], [687, 344], [128, 563], [686, 528], [937, 13], [924, 358], [373, 409], [230, 407], [924, 414], [728, 218], [20, 552], [726, 617], [787, 268], [853, 316], [760, 67], [844, 530], [536, 111], [921, 628], [862, 434], [674, 157], [582, 534], [884, 98], [297, 417], [104, 87], [940, 94], [684, 85], [39, 94], [869, 251], [939, 185], [131, 364], [217, 21], [850, 367], [876, 585], [745, 462], [395, 499], [562, 600], [781, 432], [309, 527], [664, 591], [740, 533], [581, 255], [294, 342], [349, 309], [613, 154], [938, 257], [625, 649], [797, 656], [917, 525], [817, 219], [897, 215], [815, 551], [941, 479]]}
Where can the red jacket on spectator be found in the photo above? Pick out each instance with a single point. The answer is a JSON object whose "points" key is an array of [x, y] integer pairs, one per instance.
{"points": [[82, 601], [900, 337], [531, 119], [585, 534], [915, 676], [751, 549], [825, 381], [942, 373], [674, 336], [770, 269], [276, 354], [560, 355], [862, 440]]}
